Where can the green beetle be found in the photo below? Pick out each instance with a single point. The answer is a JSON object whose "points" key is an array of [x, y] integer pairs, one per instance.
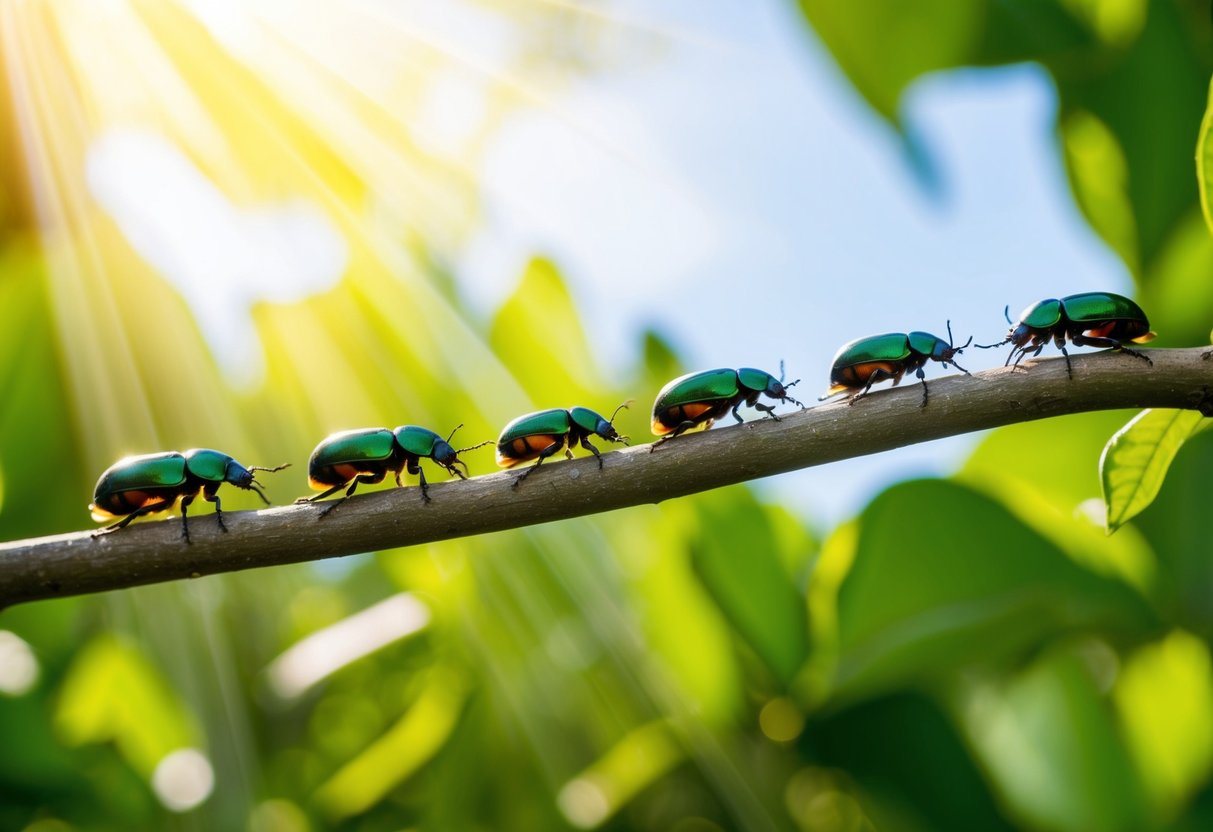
{"points": [[542, 434], [1090, 319], [366, 455], [699, 399], [864, 362], [139, 485]]}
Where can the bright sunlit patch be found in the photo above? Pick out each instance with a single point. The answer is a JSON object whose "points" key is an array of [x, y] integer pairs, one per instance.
{"points": [[183, 779], [326, 651], [222, 258], [642, 757], [18, 665], [278, 816], [583, 803]]}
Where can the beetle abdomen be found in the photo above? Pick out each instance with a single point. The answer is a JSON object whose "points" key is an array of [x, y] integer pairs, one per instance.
{"points": [[320, 477], [857, 375], [524, 448], [671, 417], [1123, 330], [123, 503]]}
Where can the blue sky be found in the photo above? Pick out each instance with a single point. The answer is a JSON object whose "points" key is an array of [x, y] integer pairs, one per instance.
{"points": [[732, 190]]}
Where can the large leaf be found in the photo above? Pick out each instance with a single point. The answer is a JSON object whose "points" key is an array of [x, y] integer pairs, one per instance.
{"points": [[114, 694], [1136, 459], [736, 555], [1048, 741], [1204, 161], [944, 577], [1164, 696], [1045, 473], [884, 46]]}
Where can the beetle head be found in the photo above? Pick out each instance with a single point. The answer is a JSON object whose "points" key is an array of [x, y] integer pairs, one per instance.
{"points": [[606, 427]]}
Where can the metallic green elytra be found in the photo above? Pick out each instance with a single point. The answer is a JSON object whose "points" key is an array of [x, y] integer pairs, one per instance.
{"points": [[699, 399], [544, 433], [1089, 319], [145, 484], [366, 455], [864, 362]]}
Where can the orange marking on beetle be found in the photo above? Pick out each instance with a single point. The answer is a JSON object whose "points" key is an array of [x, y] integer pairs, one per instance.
{"points": [[1145, 339], [1101, 331], [346, 471], [863, 372], [525, 448]]}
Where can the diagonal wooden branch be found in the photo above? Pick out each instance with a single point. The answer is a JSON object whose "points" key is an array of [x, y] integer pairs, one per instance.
{"points": [[77, 563]]}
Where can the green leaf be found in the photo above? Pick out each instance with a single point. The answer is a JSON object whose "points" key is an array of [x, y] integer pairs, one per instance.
{"points": [[1136, 459], [1048, 742], [944, 578], [910, 39], [1164, 696], [113, 693], [1204, 161], [736, 555]]}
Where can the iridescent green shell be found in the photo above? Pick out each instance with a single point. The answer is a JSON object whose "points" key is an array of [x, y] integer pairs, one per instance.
{"points": [[924, 343], [757, 380], [416, 440], [362, 445], [139, 473], [705, 386], [553, 422], [586, 419], [206, 464], [892, 346], [1102, 306], [1043, 314]]}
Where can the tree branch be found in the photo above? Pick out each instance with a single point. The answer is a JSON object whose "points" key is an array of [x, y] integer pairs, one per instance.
{"points": [[77, 563]]}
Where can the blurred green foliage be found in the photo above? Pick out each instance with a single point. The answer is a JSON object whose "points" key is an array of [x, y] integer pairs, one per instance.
{"points": [[969, 653]]}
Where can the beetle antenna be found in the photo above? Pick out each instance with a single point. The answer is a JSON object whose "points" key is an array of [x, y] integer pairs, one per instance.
{"points": [[789, 384], [965, 344], [1006, 313], [626, 404], [950, 339], [781, 373], [473, 447], [991, 346], [457, 427], [270, 470], [253, 487]]}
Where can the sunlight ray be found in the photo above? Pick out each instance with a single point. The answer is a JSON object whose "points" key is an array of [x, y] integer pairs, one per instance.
{"points": [[105, 383]]}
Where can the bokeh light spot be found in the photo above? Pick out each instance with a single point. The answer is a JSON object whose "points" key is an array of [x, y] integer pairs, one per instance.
{"points": [[18, 665], [183, 779], [781, 720]]}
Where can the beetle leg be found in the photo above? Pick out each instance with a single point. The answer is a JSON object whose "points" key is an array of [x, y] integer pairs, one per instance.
{"points": [[1110, 343], [369, 479], [317, 497], [768, 409], [125, 521], [544, 454], [879, 374], [585, 443], [414, 467], [922, 376], [682, 427], [185, 521], [210, 493]]}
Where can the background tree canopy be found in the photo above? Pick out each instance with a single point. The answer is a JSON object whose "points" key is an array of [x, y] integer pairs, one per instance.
{"points": [[970, 652]]}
